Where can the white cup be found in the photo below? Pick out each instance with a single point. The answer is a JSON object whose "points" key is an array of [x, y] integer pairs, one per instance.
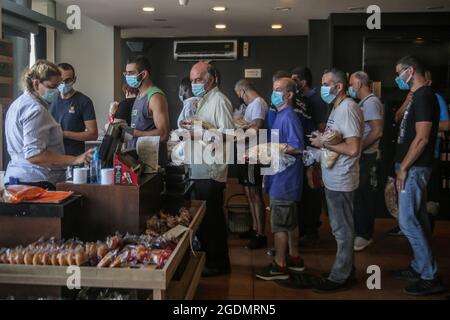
{"points": [[80, 175], [107, 176]]}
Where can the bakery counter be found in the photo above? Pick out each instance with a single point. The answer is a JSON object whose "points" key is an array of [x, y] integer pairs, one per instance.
{"points": [[26, 222], [110, 208]]}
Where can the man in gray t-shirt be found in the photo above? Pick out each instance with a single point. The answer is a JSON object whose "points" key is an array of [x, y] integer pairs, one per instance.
{"points": [[365, 195], [342, 178]]}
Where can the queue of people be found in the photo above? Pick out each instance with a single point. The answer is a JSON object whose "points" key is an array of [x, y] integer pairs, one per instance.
{"points": [[47, 126]]}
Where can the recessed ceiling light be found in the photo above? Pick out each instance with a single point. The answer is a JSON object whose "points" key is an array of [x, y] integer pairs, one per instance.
{"points": [[282, 8], [221, 26], [219, 9], [148, 9], [356, 8], [277, 26]]}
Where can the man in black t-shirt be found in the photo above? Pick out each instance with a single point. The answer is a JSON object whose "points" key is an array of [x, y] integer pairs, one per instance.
{"points": [[75, 113], [313, 113], [414, 157]]}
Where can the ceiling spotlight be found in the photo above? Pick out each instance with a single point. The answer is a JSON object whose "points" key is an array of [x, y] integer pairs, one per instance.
{"points": [[148, 9], [183, 2], [219, 9], [221, 26], [282, 8], [277, 26]]}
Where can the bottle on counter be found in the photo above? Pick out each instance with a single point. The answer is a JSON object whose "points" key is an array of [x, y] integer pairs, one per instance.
{"points": [[95, 167]]}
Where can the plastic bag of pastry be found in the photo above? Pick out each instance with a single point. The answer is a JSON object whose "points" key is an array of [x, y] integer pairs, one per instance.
{"points": [[143, 254], [3, 256], [153, 226], [172, 221], [28, 257], [102, 250], [114, 242], [328, 158], [331, 137], [241, 123], [17, 193], [311, 156], [391, 197], [130, 239], [160, 257], [122, 259], [107, 259], [193, 123]]}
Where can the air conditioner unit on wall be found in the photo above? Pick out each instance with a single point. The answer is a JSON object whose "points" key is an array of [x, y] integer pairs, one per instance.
{"points": [[217, 50]]}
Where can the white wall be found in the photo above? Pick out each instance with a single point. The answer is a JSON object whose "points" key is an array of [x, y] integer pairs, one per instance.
{"points": [[91, 52]]}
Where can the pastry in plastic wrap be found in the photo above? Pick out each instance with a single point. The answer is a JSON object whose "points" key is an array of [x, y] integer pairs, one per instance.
{"points": [[192, 123], [28, 258], [102, 250], [241, 123], [107, 259], [331, 137]]}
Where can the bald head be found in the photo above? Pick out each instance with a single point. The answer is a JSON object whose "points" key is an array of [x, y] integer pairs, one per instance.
{"points": [[361, 84], [288, 87], [203, 72]]}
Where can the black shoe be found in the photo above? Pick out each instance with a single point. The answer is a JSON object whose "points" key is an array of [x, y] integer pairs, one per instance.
{"points": [[248, 235], [295, 265], [406, 274], [257, 242], [299, 281], [325, 285], [309, 240], [273, 272], [425, 288], [351, 279], [396, 232]]}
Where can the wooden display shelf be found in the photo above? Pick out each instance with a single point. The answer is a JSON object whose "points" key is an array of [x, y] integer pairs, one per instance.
{"points": [[151, 278]]}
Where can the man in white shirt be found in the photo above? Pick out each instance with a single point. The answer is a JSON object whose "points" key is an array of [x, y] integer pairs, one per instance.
{"points": [[254, 114], [214, 108]]}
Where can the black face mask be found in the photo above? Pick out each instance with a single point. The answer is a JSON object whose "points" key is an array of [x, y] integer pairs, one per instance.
{"points": [[242, 102]]}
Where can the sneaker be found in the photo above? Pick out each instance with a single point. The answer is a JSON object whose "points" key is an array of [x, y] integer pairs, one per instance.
{"points": [[406, 274], [295, 264], [425, 288], [257, 242], [273, 272], [360, 243], [351, 279], [395, 232], [309, 240], [325, 285]]}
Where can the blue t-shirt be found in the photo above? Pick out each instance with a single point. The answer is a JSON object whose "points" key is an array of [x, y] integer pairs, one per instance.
{"points": [[71, 114], [287, 185]]}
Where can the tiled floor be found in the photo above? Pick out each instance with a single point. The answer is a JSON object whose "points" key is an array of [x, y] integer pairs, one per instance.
{"points": [[387, 252]]}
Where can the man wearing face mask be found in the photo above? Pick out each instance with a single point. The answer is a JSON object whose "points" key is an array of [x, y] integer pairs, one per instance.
{"points": [[313, 113], [341, 180], [285, 188], [150, 113], [75, 113], [254, 113], [414, 159], [214, 108], [373, 130]]}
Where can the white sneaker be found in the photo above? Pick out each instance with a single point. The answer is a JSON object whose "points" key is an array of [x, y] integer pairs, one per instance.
{"points": [[361, 243]]}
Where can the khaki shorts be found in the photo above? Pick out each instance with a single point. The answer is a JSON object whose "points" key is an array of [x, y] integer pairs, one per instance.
{"points": [[284, 215]]}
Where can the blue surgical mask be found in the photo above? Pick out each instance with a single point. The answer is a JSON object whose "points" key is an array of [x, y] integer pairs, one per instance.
{"points": [[198, 89], [327, 96], [277, 99], [65, 88], [132, 81], [401, 83], [352, 93], [50, 95]]}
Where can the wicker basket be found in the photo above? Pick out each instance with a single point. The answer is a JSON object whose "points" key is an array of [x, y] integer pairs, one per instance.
{"points": [[239, 216]]}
